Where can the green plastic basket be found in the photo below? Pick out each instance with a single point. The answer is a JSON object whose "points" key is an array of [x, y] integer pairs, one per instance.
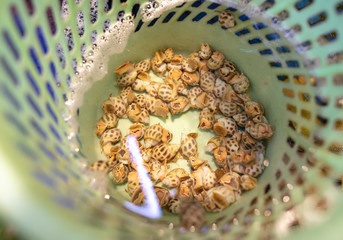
{"points": [[52, 55]]}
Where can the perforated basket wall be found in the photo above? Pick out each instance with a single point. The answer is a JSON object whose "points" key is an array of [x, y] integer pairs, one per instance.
{"points": [[296, 72]]}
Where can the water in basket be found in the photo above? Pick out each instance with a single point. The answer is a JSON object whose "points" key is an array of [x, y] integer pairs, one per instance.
{"points": [[53, 54]]}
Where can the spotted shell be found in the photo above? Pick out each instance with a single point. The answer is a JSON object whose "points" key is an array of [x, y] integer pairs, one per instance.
{"points": [[193, 93], [112, 135], [248, 182], [153, 135], [241, 119], [127, 79], [125, 68], [140, 100], [100, 165], [115, 105], [244, 157], [152, 88], [227, 71], [231, 180], [163, 195], [132, 182], [195, 56], [143, 66], [229, 95], [109, 150], [203, 66], [204, 177], [259, 130], [253, 109], [203, 100], [207, 81], [189, 146], [178, 174], [257, 167], [158, 170], [191, 214], [127, 95], [174, 74], [167, 92], [107, 121], [174, 206], [120, 173], [219, 198], [228, 108], [179, 105], [226, 19], [232, 146], [137, 197], [164, 152], [215, 142], [219, 88], [240, 83], [137, 114], [141, 83], [216, 61], [185, 189], [207, 119], [195, 162], [225, 126], [189, 65], [137, 130], [205, 51], [159, 69], [169, 54], [175, 62], [191, 78], [248, 142], [220, 155], [161, 108]]}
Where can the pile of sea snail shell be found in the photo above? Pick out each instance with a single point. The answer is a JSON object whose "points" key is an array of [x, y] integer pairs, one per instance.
{"points": [[204, 80]]}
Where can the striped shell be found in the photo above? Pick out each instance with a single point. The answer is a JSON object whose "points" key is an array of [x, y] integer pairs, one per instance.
{"points": [[126, 79], [120, 173], [228, 108], [115, 105], [207, 81], [189, 146], [107, 121], [225, 126], [164, 152], [189, 65], [112, 135], [137, 130], [259, 130]]}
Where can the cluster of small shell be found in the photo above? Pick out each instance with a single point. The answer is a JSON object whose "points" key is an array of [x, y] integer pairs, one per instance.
{"points": [[204, 80]]}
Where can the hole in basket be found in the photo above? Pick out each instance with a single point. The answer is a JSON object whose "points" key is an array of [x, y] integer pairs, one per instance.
{"points": [[213, 6], [60, 54], [253, 201], [242, 32], [80, 23], [44, 179], [267, 188], [292, 124], [339, 102], [299, 79], [135, 10], [305, 97], [266, 5], [305, 114], [283, 78], [35, 60], [34, 105], [255, 41], [197, 3], [292, 64], [10, 97], [213, 20], [52, 113], [10, 44], [321, 120], [275, 64], [51, 20], [291, 108], [285, 158], [273, 36], [301, 4], [69, 38], [282, 185], [51, 92], [94, 36], [55, 75], [55, 133], [17, 21], [106, 25], [183, 16], [288, 93], [318, 81], [278, 174], [41, 39], [321, 101], [316, 19], [338, 79], [30, 7], [335, 147], [168, 17], [16, 123], [339, 124], [259, 26], [305, 132], [283, 49], [283, 15], [334, 58], [152, 23], [327, 38], [38, 129], [266, 52], [290, 141], [33, 83], [108, 5], [318, 140], [9, 71], [301, 151], [199, 16], [243, 18], [339, 7], [93, 10]]}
